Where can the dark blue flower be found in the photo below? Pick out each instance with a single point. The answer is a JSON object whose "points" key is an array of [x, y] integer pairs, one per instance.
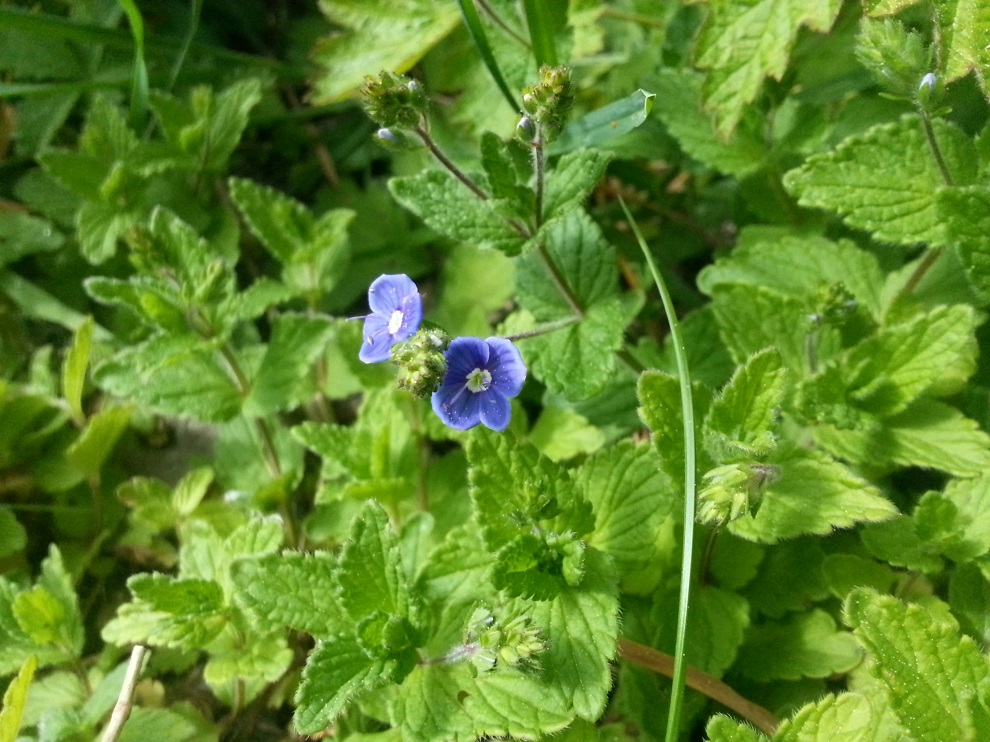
{"points": [[482, 376], [396, 311]]}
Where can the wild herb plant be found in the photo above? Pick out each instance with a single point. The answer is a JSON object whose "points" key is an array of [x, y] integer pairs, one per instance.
{"points": [[448, 371]]}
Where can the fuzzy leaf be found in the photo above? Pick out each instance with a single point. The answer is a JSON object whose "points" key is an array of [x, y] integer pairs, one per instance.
{"points": [[848, 717], [376, 35], [743, 41], [936, 682], [294, 590], [966, 213], [961, 23], [448, 207], [808, 645], [724, 729], [335, 672], [812, 494], [886, 180], [572, 180], [630, 497]]}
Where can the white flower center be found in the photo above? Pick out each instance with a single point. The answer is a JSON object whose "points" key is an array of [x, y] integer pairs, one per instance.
{"points": [[395, 322], [479, 380]]}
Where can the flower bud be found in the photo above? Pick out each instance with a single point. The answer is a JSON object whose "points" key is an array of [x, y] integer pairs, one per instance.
{"points": [[549, 101], [525, 130], [733, 490], [394, 100], [926, 90], [421, 361]]}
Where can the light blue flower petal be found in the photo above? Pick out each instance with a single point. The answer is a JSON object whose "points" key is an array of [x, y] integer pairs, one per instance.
{"points": [[457, 407], [375, 341], [463, 356], [496, 410], [412, 316], [387, 292], [506, 366]]}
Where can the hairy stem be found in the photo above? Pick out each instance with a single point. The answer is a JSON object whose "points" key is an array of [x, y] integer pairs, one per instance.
{"points": [[424, 135], [539, 166], [663, 664], [926, 123]]}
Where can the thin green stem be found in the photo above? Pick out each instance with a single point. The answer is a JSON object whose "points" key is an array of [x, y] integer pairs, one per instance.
{"points": [[690, 466], [926, 123], [919, 272]]}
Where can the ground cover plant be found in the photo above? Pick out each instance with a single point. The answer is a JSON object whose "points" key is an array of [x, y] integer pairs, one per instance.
{"points": [[418, 370]]}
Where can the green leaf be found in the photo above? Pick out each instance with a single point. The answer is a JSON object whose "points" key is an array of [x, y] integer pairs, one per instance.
{"points": [[797, 265], [260, 657], [694, 129], [296, 342], [808, 645], [294, 590], [955, 523], [959, 25], [753, 318], [774, 592], [97, 440], [966, 214], [743, 41], [562, 434], [723, 729], [448, 207], [601, 126], [74, 369], [933, 353], [897, 542], [13, 700], [928, 434], [180, 722], [719, 621], [572, 180], [812, 494], [377, 35], [370, 576], [742, 420], [335, 673], [220, 121], [843, 572], [13, 536], [848, 717], [660, 408], [934, 681], [22, 234], [886, 180], [630, 497]]}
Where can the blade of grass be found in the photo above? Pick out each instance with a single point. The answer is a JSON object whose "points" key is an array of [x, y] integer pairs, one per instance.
{"points": [[139, 72], [540, 32], [196, 7], [687, 413], [473, 22]]}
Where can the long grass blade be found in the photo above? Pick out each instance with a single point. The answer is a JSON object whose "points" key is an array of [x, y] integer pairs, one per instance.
{"points": [[540, 32], [196, 7], [139, 72], [690, 466], [473, 22]]}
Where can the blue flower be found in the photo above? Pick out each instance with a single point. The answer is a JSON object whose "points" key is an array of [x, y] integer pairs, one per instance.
{"points": [[396, 311], [482, 376]]}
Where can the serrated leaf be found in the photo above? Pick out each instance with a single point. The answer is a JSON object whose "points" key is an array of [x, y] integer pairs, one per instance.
{"points": [[660, 408], [843, 572], [886, 179], [377, 35], [934, 352], [296, 342], [743, 41], [928, 434], [14, 698], [808, 645], [966, 214], [265, 659], [897, 542], [723, 729], [370, 575], [572, 180], [187, 596], [292, 589], [753, 318], [935, 681], [742, 420], [630, 497], [178, 723], [561, 434], [960, 23], [796, 266], [191, 490], [447, 206], [694, 129], [335, 672], [447, 703], [812, 494], [221, 120], [956, 523], [848, 717]]}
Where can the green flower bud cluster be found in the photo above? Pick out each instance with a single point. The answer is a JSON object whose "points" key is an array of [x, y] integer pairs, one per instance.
{"points": [[835, 305], [547, 103], [733, 490], [394, 102], [492, 641], [421, 361], [895, 56]]}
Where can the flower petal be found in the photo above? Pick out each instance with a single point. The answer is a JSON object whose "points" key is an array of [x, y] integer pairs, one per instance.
{"points": [[495, 411], [386, 293], [375, 343], [463, 356], [412, 316], [457, 407], [506, 366]]}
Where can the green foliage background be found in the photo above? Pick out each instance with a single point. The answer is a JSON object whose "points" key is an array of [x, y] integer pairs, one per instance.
{"points": [[192, 458]]}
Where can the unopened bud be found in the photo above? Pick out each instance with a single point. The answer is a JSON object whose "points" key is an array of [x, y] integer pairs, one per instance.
{"points": [[525, 130], [421, 362], [926, 89]]}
